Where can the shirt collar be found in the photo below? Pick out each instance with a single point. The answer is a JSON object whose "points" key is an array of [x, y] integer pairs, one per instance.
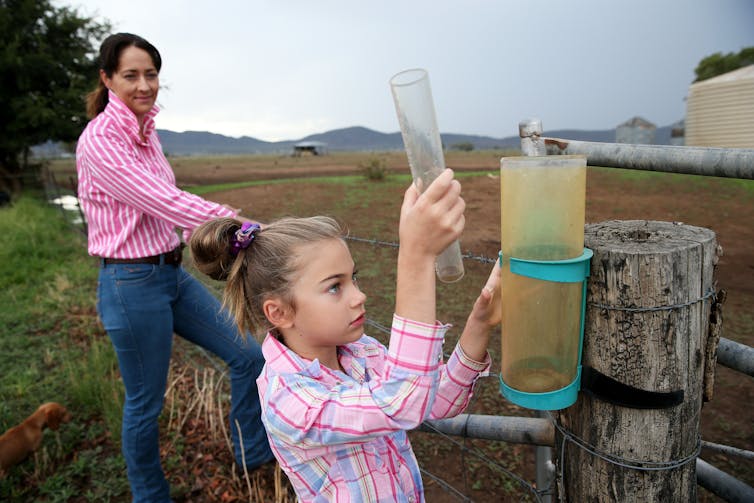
{"points": [[126, 118], [282, 360]]}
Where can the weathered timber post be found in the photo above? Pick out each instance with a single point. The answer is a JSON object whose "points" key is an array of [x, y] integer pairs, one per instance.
{"points": [[646, 328]]}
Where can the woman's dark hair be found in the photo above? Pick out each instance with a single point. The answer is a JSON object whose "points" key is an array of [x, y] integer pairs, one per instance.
{"points": [[109, 58]]}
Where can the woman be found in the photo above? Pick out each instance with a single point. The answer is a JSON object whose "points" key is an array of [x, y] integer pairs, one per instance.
{"points": [[133, 208]]}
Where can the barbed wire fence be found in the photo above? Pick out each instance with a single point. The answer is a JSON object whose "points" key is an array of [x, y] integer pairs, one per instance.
{"points": [[64, 196]]}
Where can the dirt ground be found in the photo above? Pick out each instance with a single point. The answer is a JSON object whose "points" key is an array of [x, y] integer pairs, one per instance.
{"points": [[707, 202]]}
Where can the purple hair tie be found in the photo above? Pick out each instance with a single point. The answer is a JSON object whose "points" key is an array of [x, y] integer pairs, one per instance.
{"points": [[243, 237]]}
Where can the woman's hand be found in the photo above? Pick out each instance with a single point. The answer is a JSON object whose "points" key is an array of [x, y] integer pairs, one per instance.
{"points": [[237, 211], [243, 219]]}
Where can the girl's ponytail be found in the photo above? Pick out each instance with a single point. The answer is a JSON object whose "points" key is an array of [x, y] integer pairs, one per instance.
{"points": [[212, 249]]}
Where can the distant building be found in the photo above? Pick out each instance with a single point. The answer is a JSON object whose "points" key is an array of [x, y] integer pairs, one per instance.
{"points": [[636, 130], [720, 110], [309, 148], [678, 133]]}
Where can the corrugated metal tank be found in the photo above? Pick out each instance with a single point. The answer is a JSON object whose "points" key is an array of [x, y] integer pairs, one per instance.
{"points": [[720, 111]]}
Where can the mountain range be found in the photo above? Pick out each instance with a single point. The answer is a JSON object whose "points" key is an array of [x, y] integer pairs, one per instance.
{"points": [[360, 139], [347, 139]]}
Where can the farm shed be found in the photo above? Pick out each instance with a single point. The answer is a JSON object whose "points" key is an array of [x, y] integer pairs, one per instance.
{"points": [[720, 110], [636, 130], [678, 133], [309, 148]]}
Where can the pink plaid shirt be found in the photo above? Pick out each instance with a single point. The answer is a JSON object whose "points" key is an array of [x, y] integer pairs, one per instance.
{"points": [[341, 437], [127, 188]]}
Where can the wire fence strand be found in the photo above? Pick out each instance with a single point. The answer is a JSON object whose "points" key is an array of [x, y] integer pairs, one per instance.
{"points": [[52, 191]]}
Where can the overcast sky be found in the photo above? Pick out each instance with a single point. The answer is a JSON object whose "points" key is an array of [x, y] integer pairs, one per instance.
{"points": [[285, 69]]}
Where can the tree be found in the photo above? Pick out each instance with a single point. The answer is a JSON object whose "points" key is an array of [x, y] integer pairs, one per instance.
{"points": [[719, 63], [47, 66]]}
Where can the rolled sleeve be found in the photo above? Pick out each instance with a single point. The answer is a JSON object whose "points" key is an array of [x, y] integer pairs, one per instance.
{"points": [[462, 367], [414, 346], [457, 384]]}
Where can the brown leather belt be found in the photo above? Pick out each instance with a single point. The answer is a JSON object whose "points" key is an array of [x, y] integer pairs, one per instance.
{"points": [[173, 257]]}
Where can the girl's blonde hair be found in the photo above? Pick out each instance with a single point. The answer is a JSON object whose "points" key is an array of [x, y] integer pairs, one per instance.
{"points": [[264, 270]]}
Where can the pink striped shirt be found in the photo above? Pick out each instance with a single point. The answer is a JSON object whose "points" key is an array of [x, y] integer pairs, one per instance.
{"points": [[341, 436], [127, 188]]}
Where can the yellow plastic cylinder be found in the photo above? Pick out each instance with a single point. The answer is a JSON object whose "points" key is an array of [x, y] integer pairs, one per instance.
{"points": [[542, 218]]}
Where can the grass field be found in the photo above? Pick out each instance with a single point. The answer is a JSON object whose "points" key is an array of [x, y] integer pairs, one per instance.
{"points": [[55, 349], [51, 349]]}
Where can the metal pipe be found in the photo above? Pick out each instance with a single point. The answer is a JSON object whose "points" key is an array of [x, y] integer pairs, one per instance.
{"points": [[532, 144], [727, 449], [707, 161], [545, 468], [540, 432], [735, 355], [516, 430], [722, 484]]}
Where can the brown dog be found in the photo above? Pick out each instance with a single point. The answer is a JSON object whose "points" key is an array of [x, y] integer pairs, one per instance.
{"points": [[20, 441]]}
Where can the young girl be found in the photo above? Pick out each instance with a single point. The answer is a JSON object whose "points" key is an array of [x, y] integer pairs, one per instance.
{"points": [[336, 402]]}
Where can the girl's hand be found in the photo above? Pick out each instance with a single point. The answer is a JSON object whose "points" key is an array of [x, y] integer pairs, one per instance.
{"points": [[487, 308], [486, 313], [431, 221]]}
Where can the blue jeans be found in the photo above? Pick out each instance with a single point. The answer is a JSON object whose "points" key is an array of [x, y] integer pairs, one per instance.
{"points": [[141, 306]]}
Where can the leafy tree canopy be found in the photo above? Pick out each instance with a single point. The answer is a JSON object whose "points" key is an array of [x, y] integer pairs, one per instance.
{"points": [[719, 63], [47, 66]]}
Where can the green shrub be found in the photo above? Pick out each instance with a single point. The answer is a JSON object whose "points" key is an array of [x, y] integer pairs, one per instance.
{"points": [[374, 168]]}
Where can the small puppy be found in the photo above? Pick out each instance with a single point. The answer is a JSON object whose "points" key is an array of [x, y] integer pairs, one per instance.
{"points": [[20, 441]]}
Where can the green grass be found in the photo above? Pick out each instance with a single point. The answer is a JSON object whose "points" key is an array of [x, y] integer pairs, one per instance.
{"points": [[94, 382], [698, 181], [52, 349], [204, 189], [340, 180]]}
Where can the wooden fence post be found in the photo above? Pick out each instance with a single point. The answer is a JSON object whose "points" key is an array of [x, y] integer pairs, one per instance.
{"points": [[648, 303]]}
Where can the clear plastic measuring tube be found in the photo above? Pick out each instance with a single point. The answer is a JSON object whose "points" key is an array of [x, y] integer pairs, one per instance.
{"points": [[416, 114]]}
